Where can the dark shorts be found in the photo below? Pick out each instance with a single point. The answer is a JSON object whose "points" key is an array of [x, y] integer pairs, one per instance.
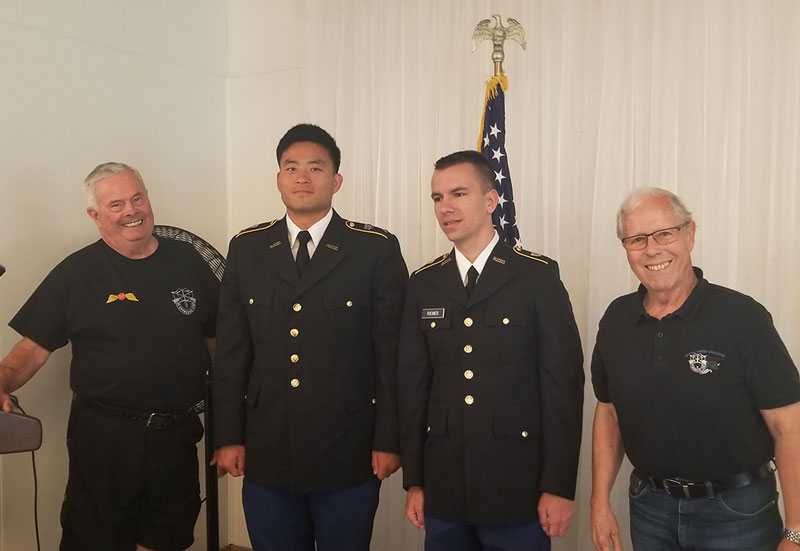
{"points": [[129, 484]]}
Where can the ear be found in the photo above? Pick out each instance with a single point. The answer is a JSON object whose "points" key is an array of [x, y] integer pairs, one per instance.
{"points": [[93, 214], [492, 199], [690, 235], [337, 182]]}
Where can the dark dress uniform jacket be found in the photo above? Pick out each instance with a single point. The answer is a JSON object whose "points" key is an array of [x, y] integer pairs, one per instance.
{"points": [[490, 388], [305, 369]]}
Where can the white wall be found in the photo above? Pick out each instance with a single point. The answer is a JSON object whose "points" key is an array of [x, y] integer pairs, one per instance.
{"points": [[85, 82], [196, 94], [263, 98]]}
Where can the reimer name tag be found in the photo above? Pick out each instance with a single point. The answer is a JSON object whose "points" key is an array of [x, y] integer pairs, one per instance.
{"points": [[432, 313]]}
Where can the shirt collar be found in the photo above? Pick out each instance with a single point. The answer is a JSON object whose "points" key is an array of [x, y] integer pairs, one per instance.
{"points": [[687, 310], [317, 229], [464, 264]]}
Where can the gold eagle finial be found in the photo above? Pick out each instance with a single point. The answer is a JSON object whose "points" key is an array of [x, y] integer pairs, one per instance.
{"points": [[498, 35]]}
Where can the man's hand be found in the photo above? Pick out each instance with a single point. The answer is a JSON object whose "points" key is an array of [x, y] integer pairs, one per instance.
{"points": [[784, 426], [554, 514], [415, 507], [384, 464], [5, 402], [229, 459], [607, 453], [605, 530]]}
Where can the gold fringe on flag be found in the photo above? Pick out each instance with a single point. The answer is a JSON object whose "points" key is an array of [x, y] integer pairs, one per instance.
{"points": [[491, 93]]}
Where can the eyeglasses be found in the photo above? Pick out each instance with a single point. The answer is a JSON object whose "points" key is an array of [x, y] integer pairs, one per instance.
{"points": [[662, 237]]}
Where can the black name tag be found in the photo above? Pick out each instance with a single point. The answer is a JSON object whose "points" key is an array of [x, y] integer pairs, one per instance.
{"points": [[432, 313]]}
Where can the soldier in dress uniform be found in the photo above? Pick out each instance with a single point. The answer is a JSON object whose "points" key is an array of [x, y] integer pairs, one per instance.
{"points": [[305, 371], [490, 381]]}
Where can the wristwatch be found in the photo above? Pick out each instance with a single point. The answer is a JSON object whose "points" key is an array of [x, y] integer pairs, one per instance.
{"points": [[792, 535]]}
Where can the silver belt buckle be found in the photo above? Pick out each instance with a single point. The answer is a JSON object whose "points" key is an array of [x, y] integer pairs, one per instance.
{"points": [[150, 419], [683, 484]]}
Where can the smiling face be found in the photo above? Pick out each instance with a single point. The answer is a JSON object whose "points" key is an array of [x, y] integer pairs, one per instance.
{"points": [[664, 270], [307, 182], [463, 209], [123, 215]]}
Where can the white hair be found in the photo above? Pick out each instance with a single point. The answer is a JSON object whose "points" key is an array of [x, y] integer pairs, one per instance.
{"points": [[103, 171], [638, 195]]}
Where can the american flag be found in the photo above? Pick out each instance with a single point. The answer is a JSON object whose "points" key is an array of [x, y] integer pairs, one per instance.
{"points": [[493, 145]]}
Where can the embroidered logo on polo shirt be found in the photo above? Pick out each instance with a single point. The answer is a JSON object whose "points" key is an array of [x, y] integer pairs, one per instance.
{"points": [[704, 361], [184, 301], [121, 296]]}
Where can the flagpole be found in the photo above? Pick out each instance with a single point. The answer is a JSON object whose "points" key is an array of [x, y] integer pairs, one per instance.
{"points": [[492, 140]]}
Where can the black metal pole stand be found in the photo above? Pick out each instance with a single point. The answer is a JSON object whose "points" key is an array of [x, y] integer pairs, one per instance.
{"points": [[212, 494]]}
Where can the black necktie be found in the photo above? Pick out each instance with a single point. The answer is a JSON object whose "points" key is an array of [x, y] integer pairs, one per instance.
{"points": [[302, 258], [472, 279]]}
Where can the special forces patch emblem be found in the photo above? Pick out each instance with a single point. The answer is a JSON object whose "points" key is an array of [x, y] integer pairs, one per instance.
{"points": [[184, 301], [704, 361]]}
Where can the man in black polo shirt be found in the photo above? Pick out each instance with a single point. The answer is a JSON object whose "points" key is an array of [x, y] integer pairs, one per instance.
{"points": [[696, 387], [140, 314]]}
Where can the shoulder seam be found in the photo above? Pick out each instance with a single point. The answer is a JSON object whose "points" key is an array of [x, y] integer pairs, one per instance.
{"points": [[352, 225], [527, 254], [257, 228], [431, 264]]}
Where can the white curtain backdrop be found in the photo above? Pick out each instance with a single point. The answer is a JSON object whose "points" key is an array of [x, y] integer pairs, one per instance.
{"points": [[699, 97]]}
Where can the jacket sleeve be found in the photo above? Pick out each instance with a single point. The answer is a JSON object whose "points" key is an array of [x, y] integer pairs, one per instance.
{"points": [[388, 293], [561, 377], [413, 389], [233, 358]]}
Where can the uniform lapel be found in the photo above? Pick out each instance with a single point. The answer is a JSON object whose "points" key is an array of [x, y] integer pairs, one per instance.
{"points": [[447, 278], [496, 273], [277, 253], [327, 255]]}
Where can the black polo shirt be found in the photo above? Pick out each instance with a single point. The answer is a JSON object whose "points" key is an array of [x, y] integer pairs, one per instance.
{"points": [[137, 327], [688, 388]]}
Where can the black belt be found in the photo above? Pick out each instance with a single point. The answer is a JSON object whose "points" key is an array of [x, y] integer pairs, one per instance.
{"points": [[151, 420], [679, 487]]}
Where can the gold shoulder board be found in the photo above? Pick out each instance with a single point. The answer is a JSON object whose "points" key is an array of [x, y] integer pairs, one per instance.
{"points": [[528, 254], [366, 228], [438, 260], [257, 227]]}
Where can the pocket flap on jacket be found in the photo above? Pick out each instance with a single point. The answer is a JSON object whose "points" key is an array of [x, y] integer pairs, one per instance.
{"points": [[437, 419], [359, 398], [515, 422], [505, 314], [253, 389]]}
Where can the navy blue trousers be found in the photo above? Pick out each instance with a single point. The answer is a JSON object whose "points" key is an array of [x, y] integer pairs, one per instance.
{"points": [[278, 520], [446, 535]]}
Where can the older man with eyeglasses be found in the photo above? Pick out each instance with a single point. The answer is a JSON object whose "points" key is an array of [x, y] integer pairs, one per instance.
{"points": [[696, 387]]}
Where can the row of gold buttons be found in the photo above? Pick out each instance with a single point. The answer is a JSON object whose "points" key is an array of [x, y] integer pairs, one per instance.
{"points": [[468, 322], [294, 358], [468, 374]]}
